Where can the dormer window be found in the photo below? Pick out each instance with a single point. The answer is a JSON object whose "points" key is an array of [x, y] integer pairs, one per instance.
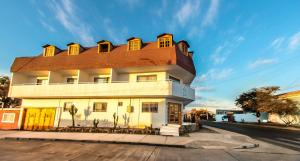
{"points": [[164, 40], [104, 46], [74, 49], [191, 53], [184, 47], [50, 50], [134, 43]]}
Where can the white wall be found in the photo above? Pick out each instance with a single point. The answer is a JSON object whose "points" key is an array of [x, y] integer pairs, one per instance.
{"points": [[161, 76], [55, 77], [137, 118], [83, 76]]}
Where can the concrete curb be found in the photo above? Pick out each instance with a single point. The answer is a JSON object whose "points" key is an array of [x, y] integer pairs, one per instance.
{"points": [[94, 141]]}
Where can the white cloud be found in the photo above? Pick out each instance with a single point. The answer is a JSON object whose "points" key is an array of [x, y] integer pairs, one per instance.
{"points": [[286, 44], [211, 13], [212, 104], [117, 36], [159, 11], [294, 42], [200, 78], [187, 10], [261, 62], [221, 53], [203, 88], [47, 26], [277, 43], [218, 74], [65, 13], [217, 58]]}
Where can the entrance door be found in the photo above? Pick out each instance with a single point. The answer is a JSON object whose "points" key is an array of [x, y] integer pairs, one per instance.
{"points": [[174, 113], [38, 118]]}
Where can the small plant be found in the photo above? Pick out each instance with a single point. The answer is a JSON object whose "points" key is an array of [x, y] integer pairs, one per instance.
{"points": [[96, 122], [126, 120], [116, 119], [73, 110]]}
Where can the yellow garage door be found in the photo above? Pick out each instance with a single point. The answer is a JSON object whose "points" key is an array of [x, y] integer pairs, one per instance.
{"points": [[38, 118]]}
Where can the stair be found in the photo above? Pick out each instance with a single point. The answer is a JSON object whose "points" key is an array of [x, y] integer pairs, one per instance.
{"points": [[170, 130]]}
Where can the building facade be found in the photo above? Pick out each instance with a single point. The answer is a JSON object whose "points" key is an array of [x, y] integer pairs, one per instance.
{"points": [[295, 96], [147, 84]]}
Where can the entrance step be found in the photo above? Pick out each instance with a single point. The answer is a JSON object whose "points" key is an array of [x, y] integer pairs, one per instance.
{"points": [[170, 130]]}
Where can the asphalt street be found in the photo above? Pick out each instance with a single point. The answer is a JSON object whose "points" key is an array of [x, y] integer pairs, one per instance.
{"points": [[279, 136]]}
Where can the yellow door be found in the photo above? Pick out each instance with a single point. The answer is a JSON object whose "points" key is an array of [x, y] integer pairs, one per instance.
{"points": [[47, 118], [39, 118], [42, 119]]}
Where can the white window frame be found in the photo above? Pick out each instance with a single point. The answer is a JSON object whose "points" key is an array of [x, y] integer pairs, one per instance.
{"points": [[6, 113]]}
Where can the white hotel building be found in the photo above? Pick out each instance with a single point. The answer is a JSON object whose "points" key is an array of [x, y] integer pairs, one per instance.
{"points": [[147, 81]]}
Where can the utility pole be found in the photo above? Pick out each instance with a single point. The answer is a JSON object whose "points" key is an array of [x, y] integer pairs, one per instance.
{"points": [[206, 114]]}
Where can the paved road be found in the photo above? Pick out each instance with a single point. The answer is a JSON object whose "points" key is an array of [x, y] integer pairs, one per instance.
{"points": [[75, 151], [282, 137]]}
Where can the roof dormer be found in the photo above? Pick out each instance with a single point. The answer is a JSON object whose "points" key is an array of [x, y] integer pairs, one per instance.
{"points": [[184, 47], [191, 53], [164, 40], [50, 50], [104, 46], [134, 43], [74, 48]]}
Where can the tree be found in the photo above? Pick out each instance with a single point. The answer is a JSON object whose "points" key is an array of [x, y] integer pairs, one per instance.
{"points": [[4, 88], [201, 114], [265, 100], [73, 110]]}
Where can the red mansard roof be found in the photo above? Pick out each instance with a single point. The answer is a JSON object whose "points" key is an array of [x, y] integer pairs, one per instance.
{"points": [[119, 57]]}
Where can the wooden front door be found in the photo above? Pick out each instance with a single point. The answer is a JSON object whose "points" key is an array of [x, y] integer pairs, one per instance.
{"points": [[38, 118], [174, 113]]}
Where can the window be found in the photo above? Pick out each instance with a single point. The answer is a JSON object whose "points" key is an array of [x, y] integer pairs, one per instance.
{"points": [[74, 49], [101, 79], [167, 42], [173, 79], [41, 81], [164, 42], [130, 109], [134, 45], [146, 78], [150, 107], [184, 49], [161, 42], [120, 103], [49, 51], [100, 107], [67, 106], [71, 80], [8, 117], [104, 47]]}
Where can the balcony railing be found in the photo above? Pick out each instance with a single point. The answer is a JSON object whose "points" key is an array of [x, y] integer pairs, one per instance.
{"points": [[113, 89]]}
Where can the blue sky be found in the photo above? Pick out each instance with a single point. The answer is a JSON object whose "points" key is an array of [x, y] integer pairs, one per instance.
{"points": [[238, 45]]}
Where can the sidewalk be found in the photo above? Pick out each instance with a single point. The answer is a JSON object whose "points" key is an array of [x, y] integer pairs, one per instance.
{"points": [[220, 140]]}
